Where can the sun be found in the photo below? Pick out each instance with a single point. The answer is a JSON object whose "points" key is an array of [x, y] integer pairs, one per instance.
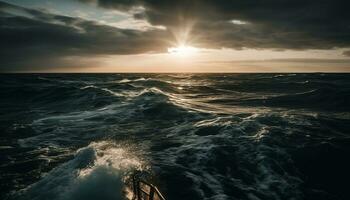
{"points": [[183, 50]]}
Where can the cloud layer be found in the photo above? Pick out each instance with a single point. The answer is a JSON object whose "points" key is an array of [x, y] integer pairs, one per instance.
{"points": [[284, 24], [31, 38]]}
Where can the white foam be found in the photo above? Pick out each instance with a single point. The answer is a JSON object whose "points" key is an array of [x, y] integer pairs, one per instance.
{"points": [[98, 171], [103, 89]]}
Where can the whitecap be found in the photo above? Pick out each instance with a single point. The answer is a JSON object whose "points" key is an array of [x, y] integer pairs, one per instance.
{"points": [[98, 171]]}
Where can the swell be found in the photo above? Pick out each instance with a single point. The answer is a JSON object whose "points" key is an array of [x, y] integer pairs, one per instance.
{"points": [[239, 136], [335, 99], [225, 157], [145, 108], [265, 156]]}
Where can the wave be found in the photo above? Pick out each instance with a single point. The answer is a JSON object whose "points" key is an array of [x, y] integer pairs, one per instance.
{"points": [[231, 136], [214, 160], [97, 171], [125, 80], [322, 98], [102, 89]]}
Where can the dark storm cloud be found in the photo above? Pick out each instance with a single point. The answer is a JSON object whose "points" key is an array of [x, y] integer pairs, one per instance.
{"points": [[119, 4], [277, 24], [288, 60], [32, 38]]}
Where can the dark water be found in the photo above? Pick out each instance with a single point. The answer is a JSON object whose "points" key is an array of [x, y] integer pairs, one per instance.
{"points": [[219, 136]]}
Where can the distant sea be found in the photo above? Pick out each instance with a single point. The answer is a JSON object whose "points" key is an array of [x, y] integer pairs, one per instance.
{"points": [[201, 136]]}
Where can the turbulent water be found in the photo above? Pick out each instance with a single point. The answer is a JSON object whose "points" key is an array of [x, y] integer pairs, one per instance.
{"points": [[202, 136]]}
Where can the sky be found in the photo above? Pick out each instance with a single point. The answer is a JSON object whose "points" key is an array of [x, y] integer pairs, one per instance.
{"points": [[174, 36]]}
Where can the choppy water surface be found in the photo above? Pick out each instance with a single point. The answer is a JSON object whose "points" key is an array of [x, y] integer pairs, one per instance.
{"points": [[218, 136]]}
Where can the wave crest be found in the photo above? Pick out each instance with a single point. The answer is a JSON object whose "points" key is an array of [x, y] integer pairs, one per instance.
{"points": [[98, 171]]}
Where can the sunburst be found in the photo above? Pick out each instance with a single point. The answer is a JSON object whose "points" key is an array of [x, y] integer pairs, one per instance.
{"points": [[182, 50]]}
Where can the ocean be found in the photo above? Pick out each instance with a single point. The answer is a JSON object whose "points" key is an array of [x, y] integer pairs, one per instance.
{"points": [[201, 136]]}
